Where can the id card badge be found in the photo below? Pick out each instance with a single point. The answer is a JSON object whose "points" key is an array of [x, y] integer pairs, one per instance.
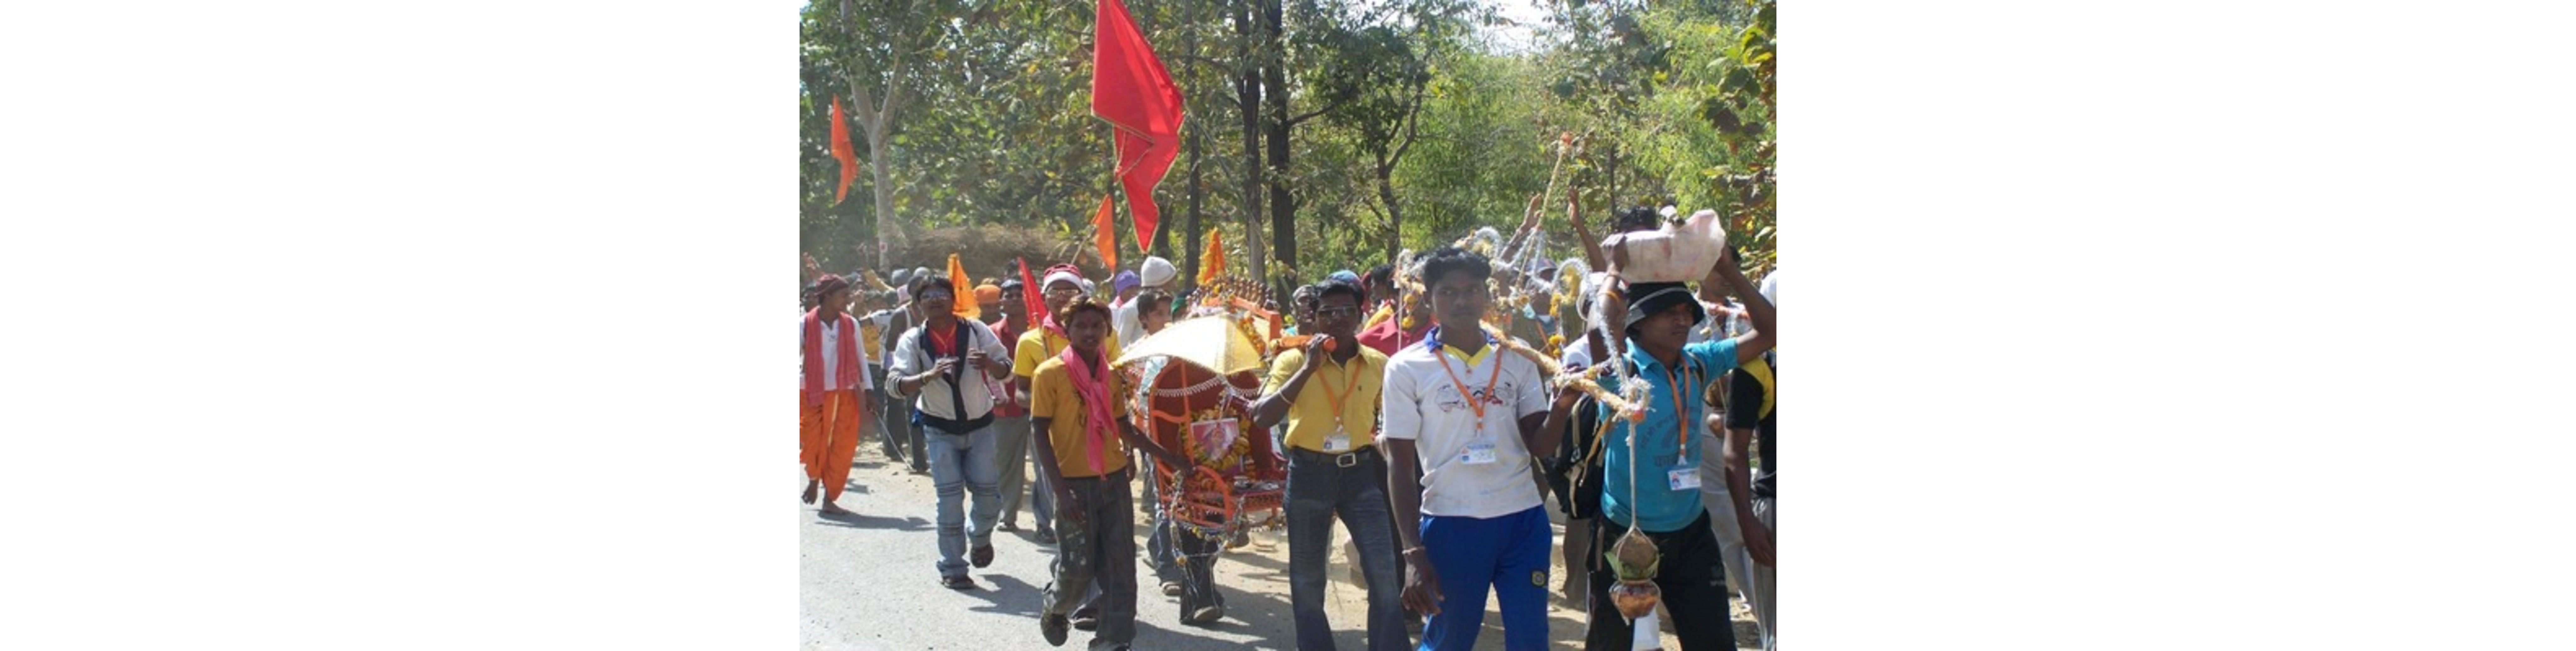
{"points": [[1478, 453], [1338, 442], [1683, 479]]}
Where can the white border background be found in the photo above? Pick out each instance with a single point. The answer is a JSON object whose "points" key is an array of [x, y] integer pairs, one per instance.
{"points": [[2202, 325]]}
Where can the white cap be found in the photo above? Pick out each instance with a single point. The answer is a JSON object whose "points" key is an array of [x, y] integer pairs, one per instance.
{"points": [[1156, 272]]}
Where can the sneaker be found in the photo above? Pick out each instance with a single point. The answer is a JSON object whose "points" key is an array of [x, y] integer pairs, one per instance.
{"points": [[958, 582], [1046, 537], [1010, 525], [1205, 615], [983, 555], [1171, 588], [1053, 628], [1086, 623]]}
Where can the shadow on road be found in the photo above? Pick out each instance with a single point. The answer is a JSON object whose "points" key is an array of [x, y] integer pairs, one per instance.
{"points": [[1264, 614], [1008, 595], [859, 521]]}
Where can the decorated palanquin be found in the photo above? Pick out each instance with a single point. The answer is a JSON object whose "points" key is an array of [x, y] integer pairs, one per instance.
{"points": [[1198, 377]]}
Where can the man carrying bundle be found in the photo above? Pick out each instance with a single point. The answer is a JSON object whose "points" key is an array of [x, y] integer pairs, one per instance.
{"points": [[1651, 467]]}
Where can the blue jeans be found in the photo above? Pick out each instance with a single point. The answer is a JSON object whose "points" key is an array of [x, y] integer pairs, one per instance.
{"points": [[1319, 488], [1507, 553], [959, 464]]}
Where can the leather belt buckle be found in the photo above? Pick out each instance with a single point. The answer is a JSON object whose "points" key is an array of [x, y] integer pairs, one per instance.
{"points": [[1347, 459]]}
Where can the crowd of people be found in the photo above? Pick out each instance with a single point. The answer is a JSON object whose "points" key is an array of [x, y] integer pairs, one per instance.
{"points": [[1431, 407]]}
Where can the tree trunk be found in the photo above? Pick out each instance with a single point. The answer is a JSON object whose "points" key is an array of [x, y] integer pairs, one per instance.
{"points": [[1283, 206], [1162, 241], [1394, 215], [1248, 99], [882, 184]]}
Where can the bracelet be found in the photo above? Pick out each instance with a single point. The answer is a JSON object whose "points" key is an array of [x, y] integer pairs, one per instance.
{"points": [[1410, 550]]}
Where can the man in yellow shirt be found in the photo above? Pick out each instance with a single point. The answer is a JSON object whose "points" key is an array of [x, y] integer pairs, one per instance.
{"points": [[1329, 394], [1083, 456], [1061, 288]]}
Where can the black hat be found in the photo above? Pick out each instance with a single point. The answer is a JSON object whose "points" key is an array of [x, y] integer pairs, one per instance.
{"points": [[1649, 299]]}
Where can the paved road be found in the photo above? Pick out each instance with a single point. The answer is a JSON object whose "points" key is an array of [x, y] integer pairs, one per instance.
{"points": [[867, 583]]}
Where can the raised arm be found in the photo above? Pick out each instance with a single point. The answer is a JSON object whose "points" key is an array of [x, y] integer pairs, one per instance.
{"points": [[1591, 245], [1288, 376], [1751, 345]]}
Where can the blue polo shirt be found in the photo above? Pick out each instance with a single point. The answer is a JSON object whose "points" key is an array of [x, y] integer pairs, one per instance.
{"points": [[1660, 438]]}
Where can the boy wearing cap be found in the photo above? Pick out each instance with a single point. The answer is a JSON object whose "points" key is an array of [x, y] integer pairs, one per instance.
{"points": [[1470, 416], [1155, 273], [1328, 392], [1651, 469], [834, 369]]}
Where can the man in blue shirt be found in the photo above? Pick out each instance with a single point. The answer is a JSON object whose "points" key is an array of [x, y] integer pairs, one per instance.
{"points": [[1650, 470]]}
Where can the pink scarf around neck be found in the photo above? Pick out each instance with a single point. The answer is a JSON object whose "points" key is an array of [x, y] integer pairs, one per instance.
{"points": [[1091, 384]]}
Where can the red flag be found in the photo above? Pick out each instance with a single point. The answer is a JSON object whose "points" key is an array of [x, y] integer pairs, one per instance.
{"points": [[1130, 89], [842, 151], [1100, 225], [1029, 291]]}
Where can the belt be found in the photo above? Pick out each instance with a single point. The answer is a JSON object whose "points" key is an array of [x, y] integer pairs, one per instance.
{"points": [[1343, 460]]}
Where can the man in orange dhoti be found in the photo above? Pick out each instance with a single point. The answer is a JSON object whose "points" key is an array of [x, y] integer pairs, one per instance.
{"points": [[831, 380]]}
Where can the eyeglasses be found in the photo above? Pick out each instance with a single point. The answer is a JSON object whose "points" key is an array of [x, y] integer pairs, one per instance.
{"points": [[1336, 312], [1069, 291]]}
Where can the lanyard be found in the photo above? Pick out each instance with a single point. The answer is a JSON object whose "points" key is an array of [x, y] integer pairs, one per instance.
{"points": [[1682, 414], [1350, 383], [1472, 402]]}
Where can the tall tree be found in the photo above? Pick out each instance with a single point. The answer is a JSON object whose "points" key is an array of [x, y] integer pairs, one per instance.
{"points": [[1378, 74]]}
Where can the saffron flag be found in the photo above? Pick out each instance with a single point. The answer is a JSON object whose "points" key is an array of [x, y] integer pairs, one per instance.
{"points": [[963, 288], [1212, 265], [841, 151], [1131, 90], [1100, 237]]}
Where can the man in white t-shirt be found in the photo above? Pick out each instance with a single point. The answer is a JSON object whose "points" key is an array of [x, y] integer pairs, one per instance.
{"points": [[1470, 416]]}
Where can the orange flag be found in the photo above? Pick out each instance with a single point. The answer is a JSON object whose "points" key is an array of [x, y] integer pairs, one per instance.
{"points": [[1100, 225], [964, 289], [842, 151], [1212, 265]]}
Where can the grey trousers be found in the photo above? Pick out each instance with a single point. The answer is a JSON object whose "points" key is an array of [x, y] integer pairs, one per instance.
{"points": [[1011, 450], [1096, 546]]}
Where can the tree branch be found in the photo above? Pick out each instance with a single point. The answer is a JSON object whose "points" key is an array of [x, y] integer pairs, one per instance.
{"points": [[1302, 118]]}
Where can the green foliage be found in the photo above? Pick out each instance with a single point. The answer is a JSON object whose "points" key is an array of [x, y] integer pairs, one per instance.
{"points": [[1673, 102]]}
